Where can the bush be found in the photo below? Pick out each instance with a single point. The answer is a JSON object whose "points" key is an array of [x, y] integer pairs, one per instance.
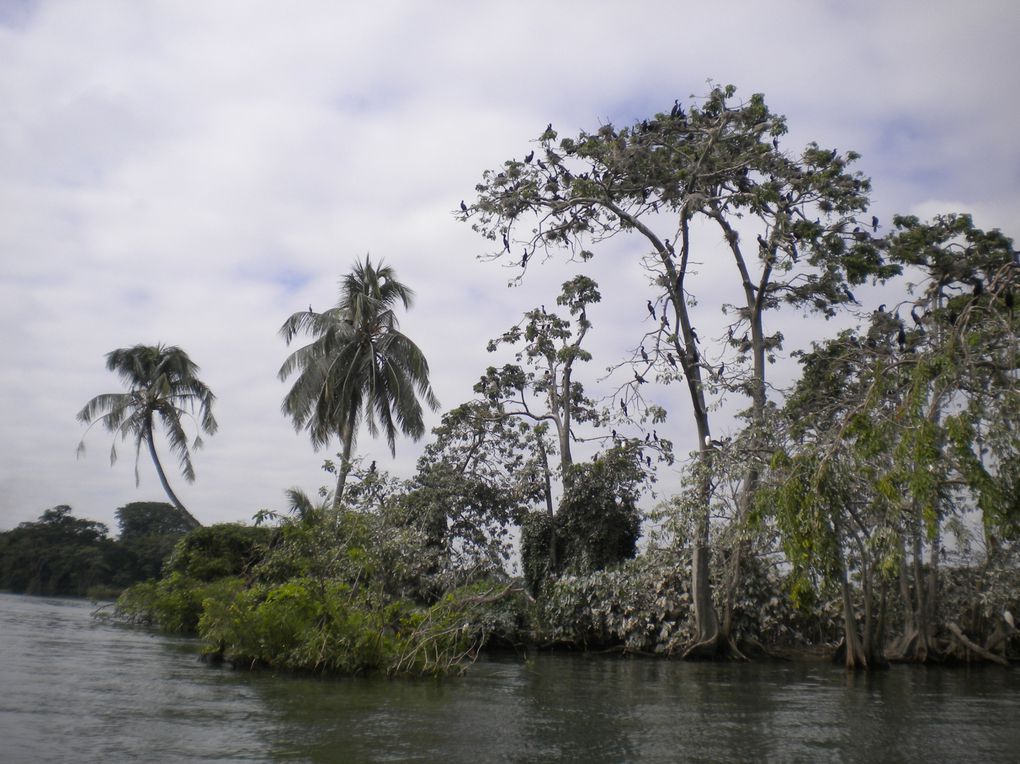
{"points": [[303, 625], [217, 551], [173, 604], [642, 605]]}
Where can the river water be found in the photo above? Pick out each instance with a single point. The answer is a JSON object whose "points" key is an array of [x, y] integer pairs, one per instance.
{"points": [[73, 689]]}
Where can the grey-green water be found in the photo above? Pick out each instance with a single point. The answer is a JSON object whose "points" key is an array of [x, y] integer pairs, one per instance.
{"points": [[76, 690]]}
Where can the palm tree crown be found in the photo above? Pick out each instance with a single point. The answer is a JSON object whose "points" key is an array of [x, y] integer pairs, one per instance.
{"points": [[359, 366], [162, 384]]}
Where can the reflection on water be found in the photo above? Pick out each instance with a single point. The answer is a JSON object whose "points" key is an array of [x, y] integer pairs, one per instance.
{"points": [[72, 689]]}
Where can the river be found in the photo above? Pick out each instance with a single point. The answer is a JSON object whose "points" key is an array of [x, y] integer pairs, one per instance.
{"points": [[74, 689]]}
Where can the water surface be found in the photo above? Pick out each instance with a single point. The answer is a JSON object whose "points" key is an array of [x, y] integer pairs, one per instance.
{"points": [[76, 689]]}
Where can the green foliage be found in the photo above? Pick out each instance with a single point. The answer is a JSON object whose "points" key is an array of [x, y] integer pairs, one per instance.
{"points": [[57, 554], [173, 604], [598, 520], [477, 477], [148, 533], [332, 626], [642, 604], [597, 525], [538, 534], [217, 551], [143, 519]]}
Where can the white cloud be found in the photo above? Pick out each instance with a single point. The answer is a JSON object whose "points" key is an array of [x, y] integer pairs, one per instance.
{"points": [[193, 173]]}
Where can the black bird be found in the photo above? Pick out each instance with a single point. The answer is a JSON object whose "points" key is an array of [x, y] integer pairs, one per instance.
{"points": [[541, 164], [979, 287], [310, 308], [665, 320], [901, 337], [651, 308], [524, 259], [764, 245], [463, 207], [528, 157], [614, 434], [914, 315], [506, 243], [694, 335], [850, 295], [648, 437], [639, 379], [775, 144], [671, 360], [874, 224], [623, 407], [644, 355], [722, 368], [371, 467], [648, 461], [881, 308], [676, 111], [1009, 301]]}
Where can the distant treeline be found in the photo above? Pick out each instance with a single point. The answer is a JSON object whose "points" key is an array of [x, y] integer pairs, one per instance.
{"points": [[60, 554]]}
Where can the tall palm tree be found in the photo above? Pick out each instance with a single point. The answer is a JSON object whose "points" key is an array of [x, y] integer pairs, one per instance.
{"points": [[359, 366], [162, 384]]}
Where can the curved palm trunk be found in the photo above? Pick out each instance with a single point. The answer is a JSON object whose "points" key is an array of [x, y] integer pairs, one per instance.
{"points": [[162, 478]]}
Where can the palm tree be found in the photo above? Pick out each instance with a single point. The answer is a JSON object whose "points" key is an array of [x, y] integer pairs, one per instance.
{"points": [[162, 383], [359, 366]]}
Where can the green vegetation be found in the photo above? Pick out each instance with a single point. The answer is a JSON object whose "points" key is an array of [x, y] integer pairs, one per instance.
{"points": [[60, 554], [870, 510]]}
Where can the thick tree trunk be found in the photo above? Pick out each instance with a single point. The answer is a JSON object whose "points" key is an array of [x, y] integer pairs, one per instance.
{"points": [[917, 643], [710, 643], [854, 657], [162, 478]]}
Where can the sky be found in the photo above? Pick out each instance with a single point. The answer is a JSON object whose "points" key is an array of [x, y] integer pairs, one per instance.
{"points": [[191, 173]]}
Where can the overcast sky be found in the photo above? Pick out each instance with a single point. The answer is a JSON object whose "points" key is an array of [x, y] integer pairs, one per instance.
{"points": [[192, 173]]}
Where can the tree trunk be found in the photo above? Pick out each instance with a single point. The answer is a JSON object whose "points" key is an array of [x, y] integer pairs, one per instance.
{"points": [[162, 477], [710, 643], [854, 657], [347, 438], [553, 561], [917, 644]]}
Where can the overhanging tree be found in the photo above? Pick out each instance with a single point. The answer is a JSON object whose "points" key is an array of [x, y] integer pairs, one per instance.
{"points": [[925, 411]]}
